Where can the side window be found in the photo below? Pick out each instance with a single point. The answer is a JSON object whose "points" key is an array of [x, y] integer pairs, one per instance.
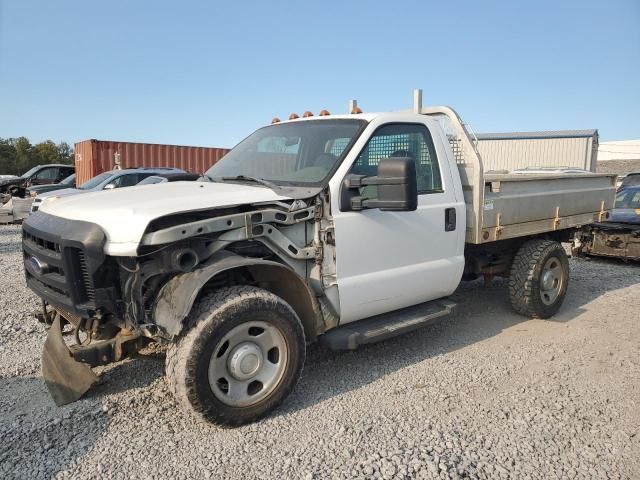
{"points": [[47, 174], [142, 176], [126, 180], [336, 146], [402, 140]]}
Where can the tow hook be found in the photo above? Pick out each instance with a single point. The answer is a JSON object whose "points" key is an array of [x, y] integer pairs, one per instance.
{"points": [[67, 370]]}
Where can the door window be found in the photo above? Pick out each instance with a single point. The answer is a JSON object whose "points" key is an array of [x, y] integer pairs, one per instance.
{"points": [[47, 174], [402, 140], [126, 180], [142, 176]]}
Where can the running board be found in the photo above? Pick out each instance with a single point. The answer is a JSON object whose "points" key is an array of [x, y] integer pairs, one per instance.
{"points": [[388, 325]]}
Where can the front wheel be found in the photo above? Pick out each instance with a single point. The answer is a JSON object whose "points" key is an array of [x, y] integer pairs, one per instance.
{"points": [[538, 279], [241, 355]]}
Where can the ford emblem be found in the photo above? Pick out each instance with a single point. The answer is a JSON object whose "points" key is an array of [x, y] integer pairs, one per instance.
{"points": [[38, 266]]}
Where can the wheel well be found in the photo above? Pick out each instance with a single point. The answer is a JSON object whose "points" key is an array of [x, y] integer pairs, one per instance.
{"points": [[282, 282], [495, 258]]}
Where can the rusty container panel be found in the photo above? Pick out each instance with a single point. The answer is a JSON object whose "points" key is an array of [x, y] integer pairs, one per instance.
{"points": [[96, 156]]}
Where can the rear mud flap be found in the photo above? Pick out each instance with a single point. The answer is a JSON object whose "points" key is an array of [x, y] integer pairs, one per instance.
{"points": [[66, 378]]}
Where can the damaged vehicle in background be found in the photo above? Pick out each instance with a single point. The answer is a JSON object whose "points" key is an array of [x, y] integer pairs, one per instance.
{"points": [[34, 191], [343, 229], [619, 235], [39, 175]]}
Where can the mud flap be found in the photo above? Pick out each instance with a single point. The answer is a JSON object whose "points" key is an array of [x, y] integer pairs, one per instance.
{"points": [[66, 378]]}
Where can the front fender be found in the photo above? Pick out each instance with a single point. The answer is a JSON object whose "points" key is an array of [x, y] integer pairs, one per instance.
{"points": [[177, 296]]}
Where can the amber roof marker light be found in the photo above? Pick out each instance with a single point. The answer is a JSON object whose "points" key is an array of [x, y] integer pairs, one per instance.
{"points": [[275, 120], [307, 114], [293, 116], [324, 113]]}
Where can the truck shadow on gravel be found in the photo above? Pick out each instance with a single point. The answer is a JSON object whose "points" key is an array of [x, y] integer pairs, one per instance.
{"points": [[40, 439], [482, 313]]}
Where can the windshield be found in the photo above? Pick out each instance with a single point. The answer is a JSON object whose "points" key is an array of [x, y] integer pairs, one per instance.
{"points": [[69, 180], [628, 199], [30, 172], [631, 179], [298, 153], [95, 181]]}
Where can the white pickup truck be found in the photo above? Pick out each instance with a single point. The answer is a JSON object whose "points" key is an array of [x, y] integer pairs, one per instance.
{"points": [[345, 229]]}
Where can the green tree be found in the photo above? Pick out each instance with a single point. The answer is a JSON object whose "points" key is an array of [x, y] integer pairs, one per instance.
{"points": [[24, 154], [17, 155], [8, 156], [46, 152], [65, 153]]}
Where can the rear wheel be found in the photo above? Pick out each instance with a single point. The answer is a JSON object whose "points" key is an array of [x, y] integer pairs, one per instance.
{"points": [[539, 278], [240, 357]]}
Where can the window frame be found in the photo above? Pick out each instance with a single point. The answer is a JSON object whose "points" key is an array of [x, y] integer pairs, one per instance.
{"points": [[442, 188]]}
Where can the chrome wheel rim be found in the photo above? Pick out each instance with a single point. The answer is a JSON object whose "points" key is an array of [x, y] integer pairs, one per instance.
{"points": [[551, 281], [248, 364]]}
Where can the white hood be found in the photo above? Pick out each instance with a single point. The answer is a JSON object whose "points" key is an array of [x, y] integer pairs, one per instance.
{"points": [[63, 192], [124, 213]]}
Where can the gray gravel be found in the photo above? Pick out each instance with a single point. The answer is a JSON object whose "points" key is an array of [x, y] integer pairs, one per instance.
{"points": [[483, 394]]}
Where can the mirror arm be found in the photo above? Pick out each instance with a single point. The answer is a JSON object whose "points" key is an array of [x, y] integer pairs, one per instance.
{"points": [[357, 181]]}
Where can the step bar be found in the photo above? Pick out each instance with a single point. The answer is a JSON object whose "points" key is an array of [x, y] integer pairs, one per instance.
{"points": [[388, 325]]}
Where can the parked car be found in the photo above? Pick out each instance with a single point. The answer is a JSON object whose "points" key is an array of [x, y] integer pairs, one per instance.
{"points": [[170, 177], [40, 175], [631, 179], [127, 177], [619, 235], [69, 182], [344, 229]]}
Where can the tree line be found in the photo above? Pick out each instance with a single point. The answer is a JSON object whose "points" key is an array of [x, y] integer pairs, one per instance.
{"points": [[17, 155]]}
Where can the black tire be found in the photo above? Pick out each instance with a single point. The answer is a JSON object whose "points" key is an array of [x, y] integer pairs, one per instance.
{"points": [[211, 318], [525, 287]]}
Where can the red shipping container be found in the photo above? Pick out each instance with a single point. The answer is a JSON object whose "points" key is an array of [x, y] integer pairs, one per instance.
{"points": [[96, 156]]}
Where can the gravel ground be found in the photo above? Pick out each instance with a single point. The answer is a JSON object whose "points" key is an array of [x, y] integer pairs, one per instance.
{"points": [[483, 394]]}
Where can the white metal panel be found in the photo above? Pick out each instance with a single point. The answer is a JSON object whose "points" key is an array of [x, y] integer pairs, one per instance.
{"points": [[514, 153]]}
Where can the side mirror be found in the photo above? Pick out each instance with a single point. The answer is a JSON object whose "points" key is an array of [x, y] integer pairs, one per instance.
{"points": [[396, 184], [109, 186]]}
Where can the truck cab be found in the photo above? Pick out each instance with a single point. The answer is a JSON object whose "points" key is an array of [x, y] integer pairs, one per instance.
{"points": [[343, 229]]}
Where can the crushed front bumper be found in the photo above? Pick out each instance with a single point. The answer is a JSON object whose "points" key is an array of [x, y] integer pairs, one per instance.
{"points": [[67, 370], [66, 378]]}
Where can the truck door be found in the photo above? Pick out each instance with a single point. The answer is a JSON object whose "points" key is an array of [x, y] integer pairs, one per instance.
{"points": [[391, 260]]}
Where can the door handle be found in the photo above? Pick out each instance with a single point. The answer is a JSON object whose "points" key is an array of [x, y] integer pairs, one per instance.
{"points": [[449, 219]]}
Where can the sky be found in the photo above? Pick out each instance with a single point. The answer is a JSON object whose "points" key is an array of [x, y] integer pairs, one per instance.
{"points": [[209, 73]]}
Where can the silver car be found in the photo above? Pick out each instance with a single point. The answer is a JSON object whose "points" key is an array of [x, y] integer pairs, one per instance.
{"points": [[107, 181]]}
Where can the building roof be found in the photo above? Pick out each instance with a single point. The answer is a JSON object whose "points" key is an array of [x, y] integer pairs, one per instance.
{"points": [[532, 135]]}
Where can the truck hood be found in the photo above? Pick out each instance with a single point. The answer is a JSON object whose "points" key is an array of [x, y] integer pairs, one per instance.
{"points": [[124, 214]]}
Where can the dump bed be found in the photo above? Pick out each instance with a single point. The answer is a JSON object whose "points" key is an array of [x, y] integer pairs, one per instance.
{"points": [[507, 205]]}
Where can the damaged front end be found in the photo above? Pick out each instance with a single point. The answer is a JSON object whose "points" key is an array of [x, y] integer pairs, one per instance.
{"points": [[113, 306], [67, 369]]}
